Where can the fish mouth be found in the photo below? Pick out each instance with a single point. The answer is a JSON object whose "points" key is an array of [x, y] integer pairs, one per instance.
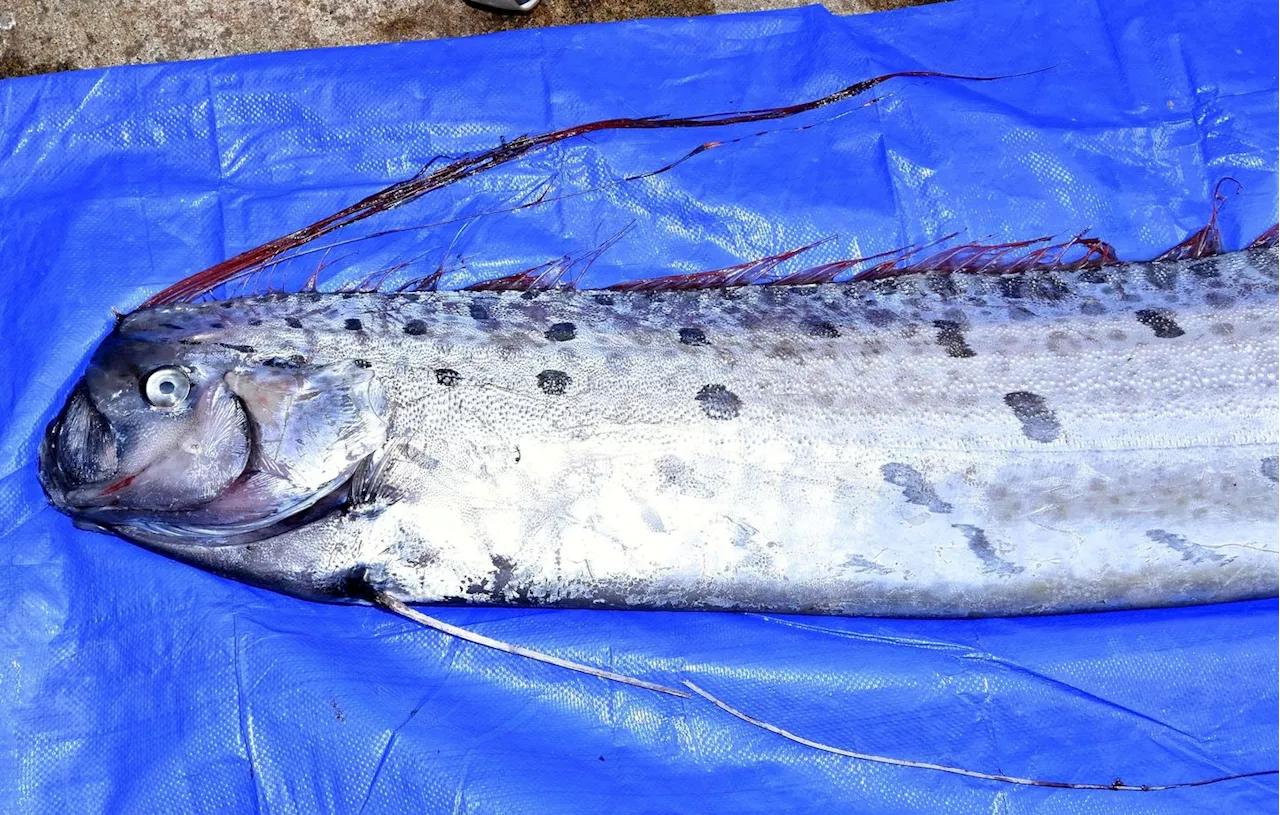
{"points": [[78, 457]]}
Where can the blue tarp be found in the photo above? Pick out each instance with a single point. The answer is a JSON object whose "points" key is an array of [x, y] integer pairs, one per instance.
{"points": [[129, 683]]}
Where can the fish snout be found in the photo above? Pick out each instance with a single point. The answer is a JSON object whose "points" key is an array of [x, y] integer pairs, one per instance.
{"points": [[79, 448]]}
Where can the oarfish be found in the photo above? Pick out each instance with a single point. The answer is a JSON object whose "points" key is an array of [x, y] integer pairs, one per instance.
{"points": [[921, 445], [1051, 439]]}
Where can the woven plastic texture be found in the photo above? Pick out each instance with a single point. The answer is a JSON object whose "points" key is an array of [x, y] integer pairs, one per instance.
{"points": [[129, 683]]}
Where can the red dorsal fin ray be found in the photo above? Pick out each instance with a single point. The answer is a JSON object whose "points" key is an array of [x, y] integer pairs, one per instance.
{"points": [[427, 180]]}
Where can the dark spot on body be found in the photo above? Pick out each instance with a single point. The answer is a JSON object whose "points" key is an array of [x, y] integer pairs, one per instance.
{"points": [[881, 317], [1094, 276], [915, 487], [447, 377], [1271, 467], [951, 337], [254, 321], [718, 402], [944, 285], [216, 324], [227, 304], [1092, 308], [885, 286], [992, 563], [1193, 552], [1162, 276], [822, 329], [861, 564], [603, 299], [693, 336], [1012, 287], [244, 349], [295, 361], [1051, 288], [1038, 421], [1219, 300], [478, 311], [562, 332], [503, 569], [415, 328], [353, 324], [1161, 322], [362, 363], [553, 382], [293, 322], [1204, 269]]}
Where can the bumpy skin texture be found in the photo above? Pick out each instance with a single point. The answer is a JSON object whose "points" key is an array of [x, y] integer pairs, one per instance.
{"points": [[929, 445]]}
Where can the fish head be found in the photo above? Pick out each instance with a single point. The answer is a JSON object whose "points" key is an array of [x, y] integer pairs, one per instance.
{"points": [[182, 436]]}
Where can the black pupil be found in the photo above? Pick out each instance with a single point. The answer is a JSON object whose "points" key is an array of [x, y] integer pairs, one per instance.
{"points": [[167, 387]]}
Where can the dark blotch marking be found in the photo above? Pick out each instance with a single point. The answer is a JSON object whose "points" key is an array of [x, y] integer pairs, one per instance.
{"points": [[603, 299], [861, 564], [415, 328], [880, 317], [1161, 322], [244, 349], [1092, 308], [718, 402], [478, 312], [254, 321], [1051, 288], [1219, 300], [362, 363], [1012, 287], [295, 361], [353, 324], [216, 324], [1095, 276], [447, 377], [951, 337], [1204, 269], [1193, 552], [944, 285], [1038, 422], [992, 563], [1271, 467], [562, 332], [915, 487], [1162, 275], [553, 382], [293, 322], [822, 329], [502, 573], [693, 336]]}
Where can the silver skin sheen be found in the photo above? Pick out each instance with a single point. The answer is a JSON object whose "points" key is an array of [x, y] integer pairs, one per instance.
{"points": [[929, 445]]}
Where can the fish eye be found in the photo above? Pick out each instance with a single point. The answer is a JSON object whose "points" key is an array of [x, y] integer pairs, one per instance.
{"points": [[166, 387]]}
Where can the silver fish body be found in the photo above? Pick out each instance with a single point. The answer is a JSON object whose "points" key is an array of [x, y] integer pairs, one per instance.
{"points": [[926, 445]]}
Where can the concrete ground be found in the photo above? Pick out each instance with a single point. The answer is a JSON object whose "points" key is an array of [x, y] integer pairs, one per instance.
{"points": [[41, 36]]}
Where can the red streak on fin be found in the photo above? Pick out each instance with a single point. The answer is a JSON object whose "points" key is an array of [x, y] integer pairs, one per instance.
{"points": [[1269, 238], [1207, 240], [554, 274], [743, 274], [426, 181]]}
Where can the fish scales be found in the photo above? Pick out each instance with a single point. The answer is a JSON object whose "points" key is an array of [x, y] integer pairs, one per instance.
{"points": [[927, 445]]}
